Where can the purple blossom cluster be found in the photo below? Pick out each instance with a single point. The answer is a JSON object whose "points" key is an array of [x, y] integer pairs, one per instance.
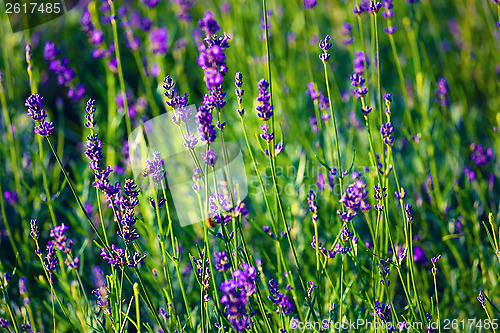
{"points": [[264, 107], [154, 168], [384, 269], [94, 153], [128, 219], [158, 39], [222, 263], [206, 127], [174, 99], [354, 199], [63, 244], [101, 291], [479, 157], [386, 132], [347, 33], [380, 194], [320, 98], [211, 57], [236, 299], [95, 37], [119, 257], [35, 111], [309, 3], [388, 14], [442, 92], [383, 312], [238, 82], [184, 11], [363, 7], [64, 73], [359, 90], [50, 261], [325, 45], [283, 304], [313, 206]]}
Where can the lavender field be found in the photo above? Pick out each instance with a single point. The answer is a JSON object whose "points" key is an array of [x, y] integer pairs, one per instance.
{"points": [[250, 166]]}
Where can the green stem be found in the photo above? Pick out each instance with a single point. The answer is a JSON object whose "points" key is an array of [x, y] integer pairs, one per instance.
{"points": [[120, 70]]}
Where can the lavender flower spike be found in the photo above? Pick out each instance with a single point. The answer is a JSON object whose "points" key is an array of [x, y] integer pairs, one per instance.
{"points": [[35, 111], [264, 109]]}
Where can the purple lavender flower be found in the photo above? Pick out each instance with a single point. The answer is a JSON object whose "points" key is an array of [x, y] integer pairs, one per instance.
{"points": [[50, 51], [4, 323], [212, 60], [101, 292], [150, 3], [183, 13], [361, 62], [480, 155], [386, 132], [283, 305], [158, 38], [309, 3], [383, 311], [384, 271], [264, 109], [325, 45], [205, 126], [310, 289], [313, 206], [434, 261], [238, 82], [278, 148], [51, 260], [60, 239], [209, 24], [222, 263], [154, 168], [314, 124], [481, 299], [379, 196], [210, 157], [390, 30], [442, 92], [64, 73], [23, 290], [375, 6], [237, 292], [175, 100], [161, 201], [359, 89], [63, 244], [347, 33], [119, 257], [469, 173], [324, 104], [35, 233], [11, 197], [409, 212], [35, 111], [353, 199], [419, 255], [45, 129], [128, 219], [266, 136], [311, 91], [94, 152]]}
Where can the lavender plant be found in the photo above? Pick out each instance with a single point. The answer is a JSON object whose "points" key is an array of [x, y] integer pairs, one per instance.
{"points": [[369, 135]]}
